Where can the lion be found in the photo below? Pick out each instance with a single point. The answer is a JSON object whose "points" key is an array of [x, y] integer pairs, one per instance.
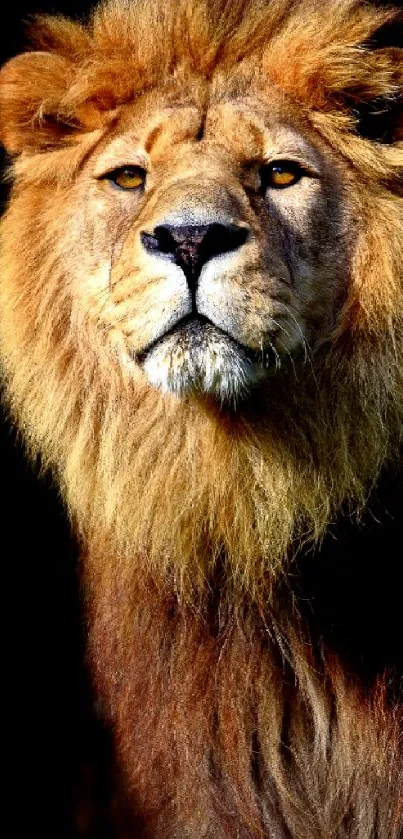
{"points": [[201, 334]]}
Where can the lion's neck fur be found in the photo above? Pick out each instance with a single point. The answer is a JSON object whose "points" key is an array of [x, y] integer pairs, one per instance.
{"points": [[184, 486], [230, 723]]}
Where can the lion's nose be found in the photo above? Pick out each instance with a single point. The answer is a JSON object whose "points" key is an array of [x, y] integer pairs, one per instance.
{"points": [[191, 246]]}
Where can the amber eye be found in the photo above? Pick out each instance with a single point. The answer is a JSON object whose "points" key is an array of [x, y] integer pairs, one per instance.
{"points": [[128, 177], [280, 174]]}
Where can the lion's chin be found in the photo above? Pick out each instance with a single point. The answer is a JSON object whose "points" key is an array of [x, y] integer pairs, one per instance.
{"points": [[198, 358]]}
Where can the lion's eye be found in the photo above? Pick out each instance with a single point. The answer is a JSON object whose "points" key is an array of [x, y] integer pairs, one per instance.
{"points": [[280, 174], [128, 177]]}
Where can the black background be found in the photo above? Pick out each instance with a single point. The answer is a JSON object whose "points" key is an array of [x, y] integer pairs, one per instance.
{"points": [[56, 752]]}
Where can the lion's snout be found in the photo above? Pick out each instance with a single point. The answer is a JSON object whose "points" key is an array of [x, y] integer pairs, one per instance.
{"points": [[192, 246]]}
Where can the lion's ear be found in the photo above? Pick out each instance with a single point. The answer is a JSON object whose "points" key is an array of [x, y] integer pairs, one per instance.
{"points": [[32, 88]]}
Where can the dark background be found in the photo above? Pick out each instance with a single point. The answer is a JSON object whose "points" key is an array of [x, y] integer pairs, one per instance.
{"points": [[61, 781]]}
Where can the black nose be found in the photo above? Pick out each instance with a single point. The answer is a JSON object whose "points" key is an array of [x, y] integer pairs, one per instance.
{"points": [[191, 246]]}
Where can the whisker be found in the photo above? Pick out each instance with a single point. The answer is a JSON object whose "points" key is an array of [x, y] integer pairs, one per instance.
{"points": [[286, 349], [308, 354], [265, 356]]}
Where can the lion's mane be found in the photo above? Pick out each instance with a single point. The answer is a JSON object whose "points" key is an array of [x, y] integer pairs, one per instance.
{"points": [[231, 718]]}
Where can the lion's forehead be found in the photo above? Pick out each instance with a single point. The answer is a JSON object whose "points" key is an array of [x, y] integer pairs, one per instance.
{"points": [[243, 129]]}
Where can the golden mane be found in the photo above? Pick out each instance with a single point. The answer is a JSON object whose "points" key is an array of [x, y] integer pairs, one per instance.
{"points": [[175, 500], [112, 59]]}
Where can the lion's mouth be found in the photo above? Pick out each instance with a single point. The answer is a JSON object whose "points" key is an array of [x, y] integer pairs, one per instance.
{"points": [[194, 330], [197, 356]]}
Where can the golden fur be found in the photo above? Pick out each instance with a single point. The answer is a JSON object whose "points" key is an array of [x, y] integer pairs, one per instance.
{"points": [[192, 504]]}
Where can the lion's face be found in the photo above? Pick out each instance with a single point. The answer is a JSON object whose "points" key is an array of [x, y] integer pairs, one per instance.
{"points": [[213, 246]]}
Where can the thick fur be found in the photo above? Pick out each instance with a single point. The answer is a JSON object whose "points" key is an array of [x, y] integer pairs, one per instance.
{"points": [[231, 718]]}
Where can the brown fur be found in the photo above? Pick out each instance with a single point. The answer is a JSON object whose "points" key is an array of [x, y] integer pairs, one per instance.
{"points": [[231, 720]]}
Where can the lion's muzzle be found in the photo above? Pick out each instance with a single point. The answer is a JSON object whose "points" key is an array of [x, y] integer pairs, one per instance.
{"points": [[197, 353], [191, 246]]}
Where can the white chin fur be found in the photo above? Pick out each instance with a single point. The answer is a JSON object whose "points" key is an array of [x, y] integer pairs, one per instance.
{"points": [[214, 366]]}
